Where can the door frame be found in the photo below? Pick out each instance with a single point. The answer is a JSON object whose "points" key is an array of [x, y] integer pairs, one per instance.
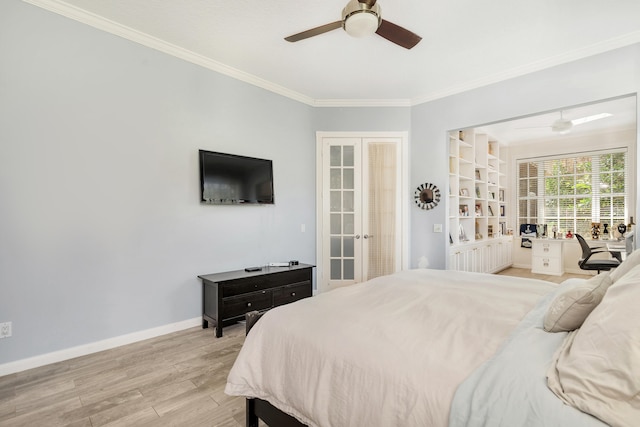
{"points": [[403, 186]]}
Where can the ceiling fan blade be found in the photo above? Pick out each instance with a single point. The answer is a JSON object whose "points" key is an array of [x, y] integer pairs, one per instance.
{"points": [[398, 35], [588, 119], [369, 3], [314, 31]]}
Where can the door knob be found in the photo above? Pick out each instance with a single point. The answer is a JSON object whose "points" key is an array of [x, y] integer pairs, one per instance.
{"points": [[368, 236], [357, 236]]}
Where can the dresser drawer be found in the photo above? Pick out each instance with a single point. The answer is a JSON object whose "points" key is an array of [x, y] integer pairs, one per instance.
{"points": [[547, 249], [241, 304], [291, 293], [243, 286], [546, 265]]}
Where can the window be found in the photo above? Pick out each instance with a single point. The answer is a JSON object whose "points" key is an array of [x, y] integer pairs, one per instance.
{"points": [[574, 192]]}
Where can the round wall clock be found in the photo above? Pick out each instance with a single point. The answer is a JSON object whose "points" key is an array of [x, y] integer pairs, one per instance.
{"points": [[427, 196]]}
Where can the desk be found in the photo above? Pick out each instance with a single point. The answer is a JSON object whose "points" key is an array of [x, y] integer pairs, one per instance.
{"points": [[546, 257], [617, 246]]}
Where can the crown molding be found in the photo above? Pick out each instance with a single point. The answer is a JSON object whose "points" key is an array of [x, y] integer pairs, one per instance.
{"points": [[61, 8], [101, 23], [362, 103], [594, 49]]}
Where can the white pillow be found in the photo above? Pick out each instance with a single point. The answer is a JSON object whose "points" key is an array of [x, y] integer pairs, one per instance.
{"points": [[629, 262], [570, 307], [597, 369]]}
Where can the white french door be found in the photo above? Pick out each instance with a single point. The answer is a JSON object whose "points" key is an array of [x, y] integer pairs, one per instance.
{"points": [[361, 220]]}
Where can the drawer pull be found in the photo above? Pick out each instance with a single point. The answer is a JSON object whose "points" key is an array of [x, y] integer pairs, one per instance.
{"points": [[248, 304], [293, 294]]}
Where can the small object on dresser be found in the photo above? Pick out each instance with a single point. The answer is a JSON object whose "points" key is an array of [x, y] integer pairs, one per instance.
{"points": [[249, 269]]}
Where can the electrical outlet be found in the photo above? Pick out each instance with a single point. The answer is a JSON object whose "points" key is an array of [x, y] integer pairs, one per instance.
{"points": [[5, 330]]}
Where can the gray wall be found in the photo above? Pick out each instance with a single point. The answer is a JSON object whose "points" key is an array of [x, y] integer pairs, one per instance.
{"points": [[101, 232], [607, 75]]}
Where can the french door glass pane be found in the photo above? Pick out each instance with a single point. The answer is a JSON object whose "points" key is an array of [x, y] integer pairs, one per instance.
{"points": [[336, 269], [349, 226], [335, 246], [349, 271], [348, 250], [347, 160], [336, 179], [336, 223], [335, 155], [336, 201]]}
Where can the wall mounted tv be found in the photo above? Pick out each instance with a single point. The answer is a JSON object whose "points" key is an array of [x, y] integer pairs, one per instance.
{"points": [[228, 179]]}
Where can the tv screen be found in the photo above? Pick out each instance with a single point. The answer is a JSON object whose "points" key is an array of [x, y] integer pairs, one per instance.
{"points": [[228, 179]]}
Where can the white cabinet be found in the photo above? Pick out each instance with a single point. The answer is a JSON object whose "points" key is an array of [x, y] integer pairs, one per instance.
{"points": [[546, 257], [476, 203], [482, 257]]}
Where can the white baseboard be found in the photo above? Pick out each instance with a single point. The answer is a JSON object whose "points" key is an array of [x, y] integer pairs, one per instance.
{"points": [[94, 347]]}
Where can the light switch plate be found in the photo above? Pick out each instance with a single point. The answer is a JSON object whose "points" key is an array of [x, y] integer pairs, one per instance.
{"points": [[437, 228]]}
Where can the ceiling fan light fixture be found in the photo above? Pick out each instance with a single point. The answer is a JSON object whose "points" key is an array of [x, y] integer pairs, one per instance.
{"points": [[361, 19], [561, 126], [361, 24]]}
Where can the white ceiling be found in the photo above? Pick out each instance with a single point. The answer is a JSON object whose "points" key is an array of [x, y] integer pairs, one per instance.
{"points": [[537, 127], [466, 43]]}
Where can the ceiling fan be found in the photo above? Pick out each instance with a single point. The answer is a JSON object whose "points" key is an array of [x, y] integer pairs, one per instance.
{"points": [[563, 126], [361, 18]]}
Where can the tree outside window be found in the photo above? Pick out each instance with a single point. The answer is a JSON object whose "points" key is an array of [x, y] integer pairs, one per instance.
{"points": [[573, 192]]}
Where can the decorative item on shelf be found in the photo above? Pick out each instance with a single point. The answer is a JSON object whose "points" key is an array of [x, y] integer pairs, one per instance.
{"points": [[569, 235], [502, 210], [490, 231], [461, 135], [622, 229], [478, 192], [427, 196], [554, 230], [630, 223], [490, 148], [528, 232], [492, 195], [501, 195], [605, 231], [450, 239], [478, 175], [478, 209], [463, 210], [490, 210], [464, 192], [478, 234], [544, 231], [595, 230], [462, 236]]}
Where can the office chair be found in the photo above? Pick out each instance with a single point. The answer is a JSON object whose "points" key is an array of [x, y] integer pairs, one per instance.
{"points": [[585, 263]]}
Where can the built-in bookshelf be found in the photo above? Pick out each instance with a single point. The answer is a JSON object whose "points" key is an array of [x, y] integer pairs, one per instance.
{"points": [[477, 189]]}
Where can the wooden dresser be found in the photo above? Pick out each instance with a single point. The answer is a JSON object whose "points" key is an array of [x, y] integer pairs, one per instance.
{"points": [[228, 296]]}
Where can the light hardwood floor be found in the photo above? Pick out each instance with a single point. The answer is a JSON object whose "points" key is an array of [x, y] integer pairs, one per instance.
{"points": [[173, 380]]}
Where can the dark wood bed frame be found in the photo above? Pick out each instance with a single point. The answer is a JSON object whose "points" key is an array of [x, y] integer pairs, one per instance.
{"points": [[258, 409]]}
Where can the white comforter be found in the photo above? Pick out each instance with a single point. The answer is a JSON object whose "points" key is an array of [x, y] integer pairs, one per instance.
{"points": [[387, 352]]}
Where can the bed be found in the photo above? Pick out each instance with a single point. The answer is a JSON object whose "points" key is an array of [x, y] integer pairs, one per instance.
{"points": [[420, 348]]}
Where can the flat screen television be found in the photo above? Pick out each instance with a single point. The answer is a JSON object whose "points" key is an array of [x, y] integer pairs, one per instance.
{"points": [[228, 179]]}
